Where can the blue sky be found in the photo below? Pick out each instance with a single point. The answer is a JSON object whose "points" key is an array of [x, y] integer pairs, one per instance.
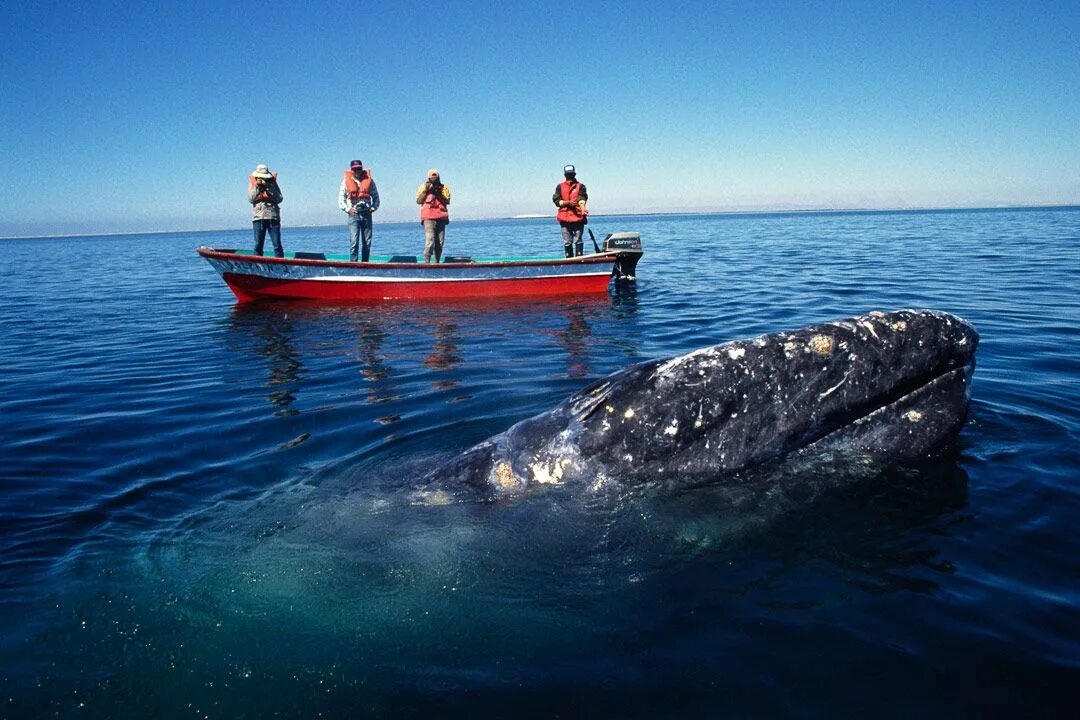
{"points": [[132, 116]]}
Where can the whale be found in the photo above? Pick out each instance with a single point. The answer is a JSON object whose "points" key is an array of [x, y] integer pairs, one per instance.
{"points": [[879, 387]]}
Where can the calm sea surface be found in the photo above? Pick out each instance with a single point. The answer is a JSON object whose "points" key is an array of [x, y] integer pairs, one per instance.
{"points": [[203, 506]]}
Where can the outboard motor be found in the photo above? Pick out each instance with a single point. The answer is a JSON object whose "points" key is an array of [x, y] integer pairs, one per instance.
{"points": [[628, 245]]}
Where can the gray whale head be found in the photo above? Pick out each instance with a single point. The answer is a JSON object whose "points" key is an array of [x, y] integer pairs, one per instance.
{"points": [[889, 386]]}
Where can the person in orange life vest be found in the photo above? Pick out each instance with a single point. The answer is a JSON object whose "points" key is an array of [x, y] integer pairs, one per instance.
{"points": [[358, 198], [433, 197], [265, 198], [570, 197]]}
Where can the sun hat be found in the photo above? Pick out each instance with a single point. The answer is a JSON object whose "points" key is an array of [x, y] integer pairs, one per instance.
{"points": [[569, 170], [261, 171]]}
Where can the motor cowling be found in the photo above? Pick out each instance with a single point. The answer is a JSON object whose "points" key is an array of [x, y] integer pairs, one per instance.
{"points": [[628, 247]]}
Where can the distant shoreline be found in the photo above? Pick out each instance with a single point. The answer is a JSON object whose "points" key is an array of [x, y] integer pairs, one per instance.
{"points": [[530, 216]]}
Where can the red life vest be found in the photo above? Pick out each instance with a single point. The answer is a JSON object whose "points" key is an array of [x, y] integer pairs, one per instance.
{"points": [[433, 208], [570, 213], [358, 190], [264, 196]]}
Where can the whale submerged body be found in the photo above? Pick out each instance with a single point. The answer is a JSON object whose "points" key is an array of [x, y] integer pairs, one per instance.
{"points": [[883, 386]]}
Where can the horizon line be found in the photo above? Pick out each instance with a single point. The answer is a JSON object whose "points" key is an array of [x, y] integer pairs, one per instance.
{"points": [[528, 216]]}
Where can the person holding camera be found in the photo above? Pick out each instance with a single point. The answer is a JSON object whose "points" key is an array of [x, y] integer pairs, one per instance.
{"points": [[265, 198], [570, 197], [433, 197], [358, 198]]}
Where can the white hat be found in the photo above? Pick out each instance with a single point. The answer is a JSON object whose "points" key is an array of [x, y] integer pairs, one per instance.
{"points": [[261, 171]]}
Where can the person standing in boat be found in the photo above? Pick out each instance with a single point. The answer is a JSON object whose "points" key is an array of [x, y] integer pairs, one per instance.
{"points": [[570, 197], [433, 197], [358, 198], [265, 198]]}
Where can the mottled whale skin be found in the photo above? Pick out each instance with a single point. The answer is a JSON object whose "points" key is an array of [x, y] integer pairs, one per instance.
{"points": [[887, 386]]}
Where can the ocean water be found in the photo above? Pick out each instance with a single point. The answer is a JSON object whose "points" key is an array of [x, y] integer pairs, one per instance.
{"points": [[203, 506]]}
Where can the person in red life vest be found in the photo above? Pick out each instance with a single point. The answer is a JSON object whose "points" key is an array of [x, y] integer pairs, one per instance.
{"points": [[358, 198], [265, 198], [570, 197], [433, 197]]}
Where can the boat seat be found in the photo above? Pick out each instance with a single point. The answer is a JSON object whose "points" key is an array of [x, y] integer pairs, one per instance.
{"points": [[457, 259], [309, 255], [402, 259]]}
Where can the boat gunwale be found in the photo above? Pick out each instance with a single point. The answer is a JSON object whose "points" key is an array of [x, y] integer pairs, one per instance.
{"points": [[604, 257]]}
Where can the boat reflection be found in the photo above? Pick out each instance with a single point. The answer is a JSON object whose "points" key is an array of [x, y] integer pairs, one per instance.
{"points": [[574, 340], [392, 346], [444, 354], [271, 337], [624, 299], [374, 368]]}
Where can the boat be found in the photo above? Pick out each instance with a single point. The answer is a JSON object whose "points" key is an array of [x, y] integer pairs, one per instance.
{"points": [[316, 276]]}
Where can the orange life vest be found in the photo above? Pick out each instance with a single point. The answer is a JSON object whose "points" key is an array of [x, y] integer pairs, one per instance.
{"points": [[358, 190], [570, 213], [264, 196], [433, 208]]}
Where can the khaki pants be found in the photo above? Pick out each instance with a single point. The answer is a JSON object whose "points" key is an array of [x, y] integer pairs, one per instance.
{"points": [[434, 236]]}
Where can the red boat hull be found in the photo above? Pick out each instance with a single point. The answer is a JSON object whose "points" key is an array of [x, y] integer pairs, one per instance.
{"points": [[252, 287]]}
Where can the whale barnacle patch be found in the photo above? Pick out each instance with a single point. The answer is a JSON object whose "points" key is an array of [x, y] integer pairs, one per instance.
{"points": [[548, 473], [913, 416], [821, 344], [504, 476], [432, 498]]}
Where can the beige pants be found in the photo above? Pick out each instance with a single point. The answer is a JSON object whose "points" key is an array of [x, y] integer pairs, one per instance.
{"points": [[434, 236]]}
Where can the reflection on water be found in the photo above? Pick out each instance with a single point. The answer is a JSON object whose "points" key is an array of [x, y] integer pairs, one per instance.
{"points": [[272, 339], [371, 336], [448, 343], [444, 352], [574, 340], [624, 296]]}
